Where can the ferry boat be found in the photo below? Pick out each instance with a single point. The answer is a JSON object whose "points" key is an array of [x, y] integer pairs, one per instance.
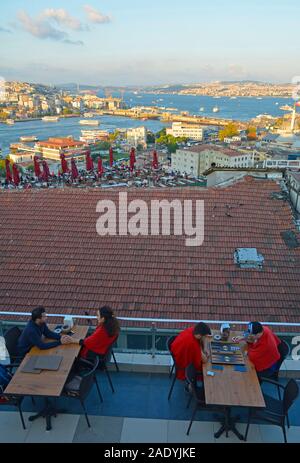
{"points": [[30, 138], [286, 108], [50, 118], [92, 136], [10, 121], [216, 109], [89, 122], [201, 109]]}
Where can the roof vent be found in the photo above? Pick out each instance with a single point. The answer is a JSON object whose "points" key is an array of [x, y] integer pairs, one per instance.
{"points": [[248, 258], [290, 239]]}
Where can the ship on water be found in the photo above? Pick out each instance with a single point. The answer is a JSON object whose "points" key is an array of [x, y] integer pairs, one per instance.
{"points": [[89, 122], [216, 109], [30, 138], [92, 136], [10, 121], [50, 118]]}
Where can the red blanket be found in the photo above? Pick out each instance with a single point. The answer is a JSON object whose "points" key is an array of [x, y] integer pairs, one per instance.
{"points": [[186, 350], [264, 353]]}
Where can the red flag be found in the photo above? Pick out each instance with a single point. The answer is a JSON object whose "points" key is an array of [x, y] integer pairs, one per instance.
{"points": [[74, 169], [16, 175], [155, 160], [111, 157], [37, 169], [89, 161], [100, 167], [8, 172], [64, 164]]}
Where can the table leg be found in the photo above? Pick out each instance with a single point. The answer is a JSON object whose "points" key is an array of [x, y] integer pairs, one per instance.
{"points": [[228, 424], [47, 412]]}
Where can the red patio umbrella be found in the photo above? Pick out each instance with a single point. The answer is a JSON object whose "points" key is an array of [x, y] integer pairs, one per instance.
{"points": [[155, 160], [37, 169], [8, 172], [64, 164], [46, 172], [89, 161], [132, 159], [111, 157], [100, 167], [16, 175], [74, 169]]}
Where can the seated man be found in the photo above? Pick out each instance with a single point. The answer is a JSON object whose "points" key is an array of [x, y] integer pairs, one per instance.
{"points": [[34, 332], [262, 349], [190, 346]]}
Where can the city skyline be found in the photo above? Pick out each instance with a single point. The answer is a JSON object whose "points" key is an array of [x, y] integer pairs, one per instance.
{"points": [[112, 43]]}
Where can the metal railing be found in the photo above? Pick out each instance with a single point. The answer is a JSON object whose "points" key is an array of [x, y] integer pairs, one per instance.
{"points": [[153, 330]]}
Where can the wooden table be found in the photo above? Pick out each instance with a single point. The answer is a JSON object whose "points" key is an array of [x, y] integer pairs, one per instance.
{"points": [[47, 383], [229, 388]]}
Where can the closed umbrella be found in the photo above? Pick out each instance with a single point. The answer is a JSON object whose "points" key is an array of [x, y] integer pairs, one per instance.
{"points": [[64, 164], [37, 169], [155, 160], [111, 157], [16, 175], [46, 172], [100, 167], [89, 161], [74, 169], [8, 172], [132, 159]]}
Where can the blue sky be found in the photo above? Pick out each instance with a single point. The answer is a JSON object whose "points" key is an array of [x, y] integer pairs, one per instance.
{"points": [[131, 42]]}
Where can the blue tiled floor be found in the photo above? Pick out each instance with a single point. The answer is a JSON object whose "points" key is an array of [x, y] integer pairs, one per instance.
{"points": [[144, 395]]}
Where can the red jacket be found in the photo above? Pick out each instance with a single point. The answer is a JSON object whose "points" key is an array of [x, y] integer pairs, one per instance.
{"points": [[98, 342], [264, 353], [186, 350]]}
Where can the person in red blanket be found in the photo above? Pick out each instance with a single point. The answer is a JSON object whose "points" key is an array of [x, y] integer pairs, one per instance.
{"points": [[105, 335], [190, 346], [262, 349]]}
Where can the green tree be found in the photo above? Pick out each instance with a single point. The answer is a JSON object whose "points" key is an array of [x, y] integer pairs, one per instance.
{"points": [[229, 131], [150, 138]]}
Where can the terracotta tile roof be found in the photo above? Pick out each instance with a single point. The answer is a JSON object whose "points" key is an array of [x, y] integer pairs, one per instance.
{"points": [[50, 254], [60, 143]]}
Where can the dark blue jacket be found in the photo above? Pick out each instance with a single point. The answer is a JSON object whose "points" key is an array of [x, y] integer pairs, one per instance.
{"points": [[32, 336]]}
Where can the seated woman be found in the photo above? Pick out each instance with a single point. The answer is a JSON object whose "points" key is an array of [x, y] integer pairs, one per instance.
{"points": [[104, 336]]}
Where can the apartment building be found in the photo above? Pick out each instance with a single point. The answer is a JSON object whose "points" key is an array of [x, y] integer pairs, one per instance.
{"points": [[191, 131]]}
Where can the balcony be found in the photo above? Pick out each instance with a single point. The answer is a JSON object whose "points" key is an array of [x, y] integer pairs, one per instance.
{"points": [[139, 411]]}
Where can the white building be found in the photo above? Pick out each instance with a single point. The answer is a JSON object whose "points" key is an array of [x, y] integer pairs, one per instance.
{"points": [[137, 136], [191, 131], [197, 159]]}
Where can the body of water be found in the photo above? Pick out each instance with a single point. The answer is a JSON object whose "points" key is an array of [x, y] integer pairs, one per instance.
{"points": [[238, 109]]}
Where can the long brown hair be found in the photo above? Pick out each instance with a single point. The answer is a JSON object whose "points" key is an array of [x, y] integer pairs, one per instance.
{"points": [[111, 324]]}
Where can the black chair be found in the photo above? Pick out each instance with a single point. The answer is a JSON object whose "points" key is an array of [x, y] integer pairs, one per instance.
{"points": [[284, 350], [175, 367], [79, 387], [197, 393], [11, 338], [169, 343], [10, 400], [104, 360], [276, 411]]}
